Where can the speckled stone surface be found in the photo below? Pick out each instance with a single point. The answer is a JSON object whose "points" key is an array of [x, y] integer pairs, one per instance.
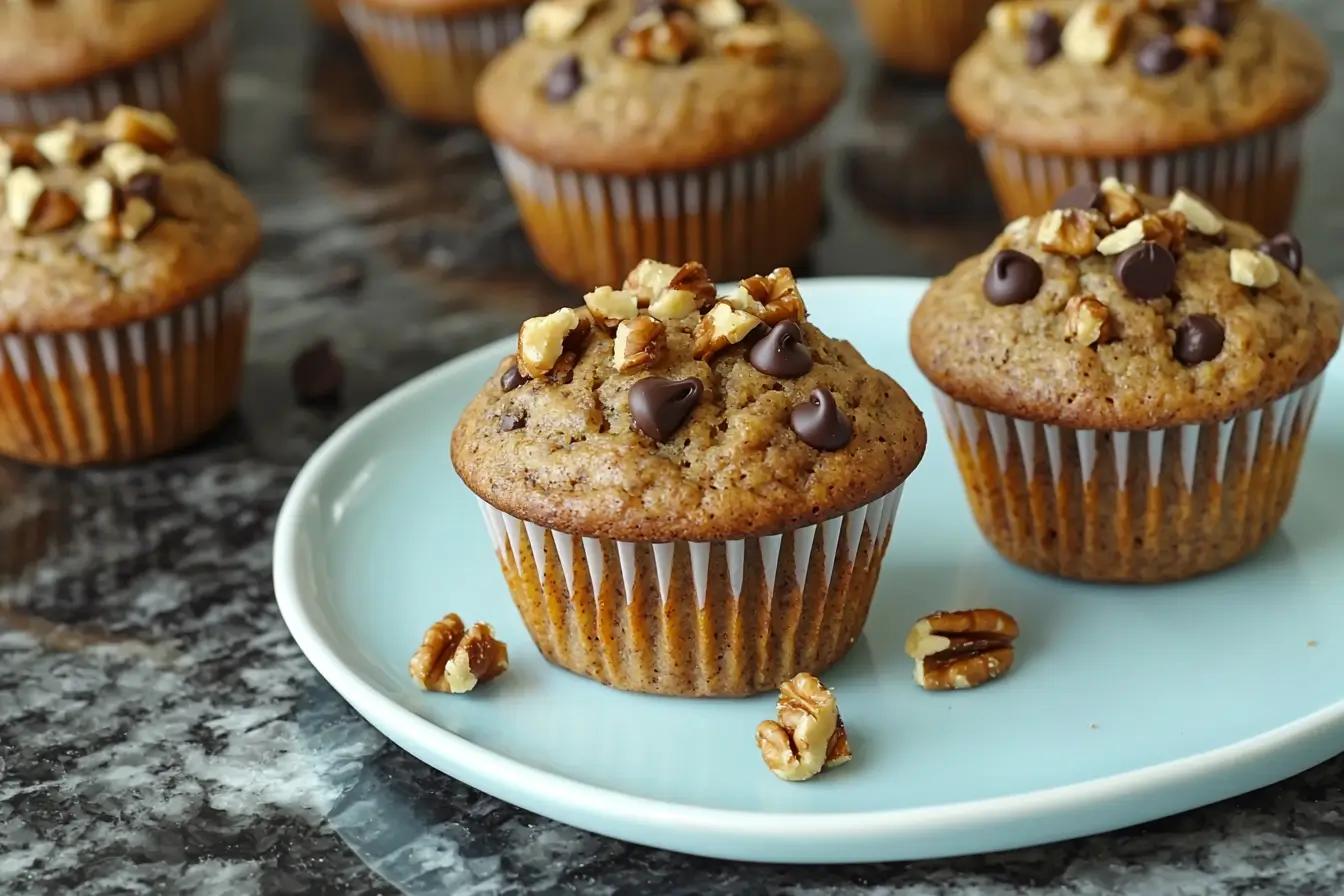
{"points": [[159, 731]]}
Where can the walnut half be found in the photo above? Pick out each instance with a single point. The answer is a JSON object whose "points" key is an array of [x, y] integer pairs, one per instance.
{"points": [[453, 659], [808, 734], [723, 326], [961, 649], [777, 295], [1088, 321]]}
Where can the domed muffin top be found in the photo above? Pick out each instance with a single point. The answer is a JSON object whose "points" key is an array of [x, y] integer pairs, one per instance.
{"points": [[660, 412]]}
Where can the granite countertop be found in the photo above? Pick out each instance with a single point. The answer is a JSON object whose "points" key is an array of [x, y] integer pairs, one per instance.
{"points": [[159, 730]]}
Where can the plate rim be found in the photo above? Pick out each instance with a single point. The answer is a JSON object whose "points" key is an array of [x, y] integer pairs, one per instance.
{"points": [[584, 803]]}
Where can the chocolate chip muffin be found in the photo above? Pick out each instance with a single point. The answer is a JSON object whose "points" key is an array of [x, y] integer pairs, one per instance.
{"points": [[631, 129], [122, 325], [1207, 95], [1128, 383], [924, 37], [65, 59], [689, 495]]}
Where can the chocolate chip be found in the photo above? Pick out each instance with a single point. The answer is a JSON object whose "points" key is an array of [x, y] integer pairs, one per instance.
{"points": [[1214, 14], [1147, 271], [1199, 338], [1043, 38], [1013, 277], [781, 352], [317, 375], [511, 379], [1084, 196], [564, 79], [510, 422], [1160, 56], [1286, 249], [660, 405], [148, 185], [819, 423]]}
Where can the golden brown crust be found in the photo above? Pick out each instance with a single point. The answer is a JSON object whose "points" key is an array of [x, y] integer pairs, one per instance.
{"points": [[441, 7], [633, 116], [1272, 72], [49, 44]]}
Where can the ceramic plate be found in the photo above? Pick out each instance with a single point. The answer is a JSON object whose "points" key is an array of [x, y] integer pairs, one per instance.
{"points": [[1126, 704]]}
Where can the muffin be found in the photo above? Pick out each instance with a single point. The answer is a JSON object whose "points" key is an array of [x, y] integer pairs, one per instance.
{"points": [[686, 503], [640, 130], [82, 60], [327, 12], [428, 54], [1128, 384], [923, 37], [122, 324], [1207, 95]]}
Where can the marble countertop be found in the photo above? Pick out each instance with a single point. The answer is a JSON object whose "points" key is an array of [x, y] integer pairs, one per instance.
{"points": [[159, 730]]}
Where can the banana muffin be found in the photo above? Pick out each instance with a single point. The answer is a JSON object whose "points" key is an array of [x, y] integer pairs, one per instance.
{"points": [[121, 321], [1207, 95], [689, 495], [924, 37], [1128, 383]]}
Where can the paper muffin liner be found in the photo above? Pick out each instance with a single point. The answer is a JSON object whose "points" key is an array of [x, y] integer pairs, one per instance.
{"points": [[686, 618], [428, 65], [739, 219], [184, 83], [122, 393], [1252, 180], [925, 37], [1149, 506]]}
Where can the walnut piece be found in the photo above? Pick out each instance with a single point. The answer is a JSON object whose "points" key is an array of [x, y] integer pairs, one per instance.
{"points": [[1199, 217], [1088, 321], [961, 649], [1165, 227], [135, 218], [1199, 42], [1095, 32], [61, 145], [776, 293], [1254, 269], [453, 659], [1010, 18], [18, 150], [1120, 205], [718, 14], [808, 734], [23, 188], [640, 342], [555, 20], [1074, 231], [754, 41], [127, 161], [54, 210], [723, 326], [654, 36], [151, 131], [100, 200], [611, 306], [668, 291], [543, 340]]}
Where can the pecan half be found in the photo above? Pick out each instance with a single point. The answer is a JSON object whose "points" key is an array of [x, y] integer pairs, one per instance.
{"points": [[961, 649]]}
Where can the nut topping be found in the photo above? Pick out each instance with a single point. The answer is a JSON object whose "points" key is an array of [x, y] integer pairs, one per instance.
{"points": [[61, 145], [754, 41], [611, 306], [640, 342], [961, 649], [53, 211], [1166, 228], [1010, 18], [776, 293], [1094, 33], [1118, 204], [1088, 321], [453, 659], [1200, 42], [721, 327], [100, 200], [555, 20], [1125, 238], [542, 341], [808, 734], [1199, 217], [668, 291], [23, 188], [657, 37], [151, 131], [1075, 232], [1254, 269], [136, 217], [718, 14], [127, 160]]}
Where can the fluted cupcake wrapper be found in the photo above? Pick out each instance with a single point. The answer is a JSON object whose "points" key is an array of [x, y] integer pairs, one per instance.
{"points": [[739, 219], [122, 393], [1159, 505], [689, 618], [923, 36], [428, 65], [1254, 179], [184, 83]]}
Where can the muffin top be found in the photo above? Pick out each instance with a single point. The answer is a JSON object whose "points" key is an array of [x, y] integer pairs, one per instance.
{"points": [[441, 7], [1119, 311], [627, 87], [658, 412], [1132, 77], [49, 43], [112, 222]]}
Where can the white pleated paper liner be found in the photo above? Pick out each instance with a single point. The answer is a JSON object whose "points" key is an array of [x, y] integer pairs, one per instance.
{"points": [[1130, 506], [122, 393], [738, 219], [428, 65], [722, 618], [184, 83], [1253, 179]]}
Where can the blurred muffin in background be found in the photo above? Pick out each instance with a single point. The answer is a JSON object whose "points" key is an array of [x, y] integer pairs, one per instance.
{"points": [[923, 37], [427, 54], [82, 60], [328, 12]]}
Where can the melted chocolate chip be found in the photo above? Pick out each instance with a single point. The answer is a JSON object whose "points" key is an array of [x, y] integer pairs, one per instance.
{"points": [[1199, 338], [819, 423], [564, 79], [660, 405], [1214, 14], [1013, 277], [1160, 56], [510, 422], [147, 185], [1084, 196], [1286, 250], [317, 375], [781, 352], [511, 379], [1147, 271], [1043, 38]]}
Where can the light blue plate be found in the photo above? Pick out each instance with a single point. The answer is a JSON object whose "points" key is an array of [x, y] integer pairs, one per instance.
{"points": [[1126, 704]]}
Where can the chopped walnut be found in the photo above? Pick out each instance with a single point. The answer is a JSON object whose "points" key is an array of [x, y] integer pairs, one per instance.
{"points": [[100, 200], [1095, 32], [640, 342], [611, 306], [961, 649], [668, 291], [152, 131], [555, 20], [16, 151], [1120, 206], [1199, 42], [1010, 18], [23, 188], [54, 210], [543, 340], [754, 41], [1088, 321], [776, 292], [453, 659], [1199, 217], [61, 145], [723, 326], [127, 160], [1072, 231], [136, 218], [1254, 269], [718, 14], [657, 37], [1166, 228], [808, 734]]}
